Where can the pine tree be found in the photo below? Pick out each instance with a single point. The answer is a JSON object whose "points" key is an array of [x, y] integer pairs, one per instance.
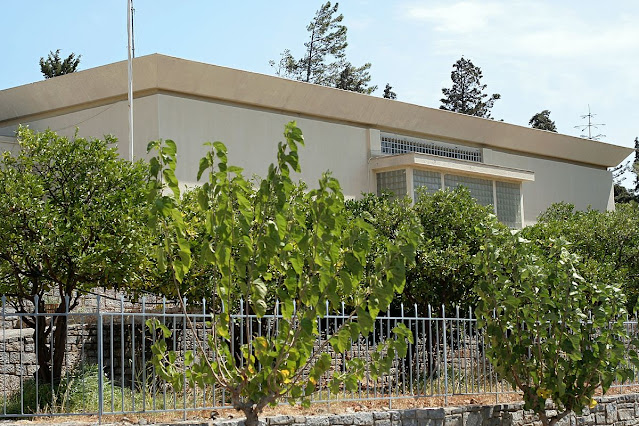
{"points": [[54, 66], [542, 121], [388, 92], [467, 94], [355, 79], [324, 61]]}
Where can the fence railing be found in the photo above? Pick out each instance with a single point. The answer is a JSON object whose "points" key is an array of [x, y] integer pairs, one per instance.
{"points": [[106, 369]]}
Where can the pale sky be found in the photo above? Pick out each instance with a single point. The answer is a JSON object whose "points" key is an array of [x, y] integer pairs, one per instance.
{"points": [[542, 54]]}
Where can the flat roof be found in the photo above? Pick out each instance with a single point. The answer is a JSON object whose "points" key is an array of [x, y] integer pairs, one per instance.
{"points": [[164, 74]]}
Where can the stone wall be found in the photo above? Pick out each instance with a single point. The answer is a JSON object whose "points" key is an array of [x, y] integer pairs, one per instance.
{"points": [[621, 410]]}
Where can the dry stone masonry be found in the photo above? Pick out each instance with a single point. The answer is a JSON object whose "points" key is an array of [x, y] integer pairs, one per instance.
{"points": [[620, 410]]}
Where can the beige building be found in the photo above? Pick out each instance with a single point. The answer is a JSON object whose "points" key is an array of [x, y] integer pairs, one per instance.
{"points": [[369, 143]]}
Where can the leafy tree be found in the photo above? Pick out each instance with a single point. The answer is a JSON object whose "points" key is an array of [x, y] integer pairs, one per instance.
{"points": [[55, 66], [542, 121], [552, 334], [71, 219], [623, 195], [388, 92], [273, 234], [467, 96], [607, 242], [355, 79], [324, 61], [454, 229]]}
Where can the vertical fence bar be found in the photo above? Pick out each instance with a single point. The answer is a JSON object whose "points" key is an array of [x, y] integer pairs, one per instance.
{"points": [[112, 360], [184, 319], [6, 356], [122, 387], [164, 324], [100, 361], [143, 366], [36, 302], [445, 356]]}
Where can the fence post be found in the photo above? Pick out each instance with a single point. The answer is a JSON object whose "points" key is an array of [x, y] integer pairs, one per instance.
{"points": [[445, 356], [100, 361]]}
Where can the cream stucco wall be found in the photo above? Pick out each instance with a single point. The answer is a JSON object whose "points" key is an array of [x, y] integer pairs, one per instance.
{"points": [[109, 119], [583, 186], [251, 136]]}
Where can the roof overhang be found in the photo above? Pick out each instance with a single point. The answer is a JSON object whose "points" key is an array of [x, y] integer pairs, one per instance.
{"points": [[163, 74], [446, 165]]}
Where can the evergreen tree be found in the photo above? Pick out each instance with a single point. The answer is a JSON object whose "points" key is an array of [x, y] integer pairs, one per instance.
{"points": [[324, 61], [355, 79], [467, 95], [388, 92], [55, 66], [542, 121]]}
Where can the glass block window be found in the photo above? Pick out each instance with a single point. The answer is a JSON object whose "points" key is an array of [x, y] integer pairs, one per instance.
{"points": [[393, 181], [395, 144], [431, 180], [509, 204], [480, 189]]}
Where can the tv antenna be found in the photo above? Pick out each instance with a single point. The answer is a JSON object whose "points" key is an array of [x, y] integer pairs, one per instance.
{"points": [[590, 126]]}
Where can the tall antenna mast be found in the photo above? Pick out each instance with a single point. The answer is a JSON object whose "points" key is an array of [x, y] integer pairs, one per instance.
{"points": [[129, 27], [590, 126]]}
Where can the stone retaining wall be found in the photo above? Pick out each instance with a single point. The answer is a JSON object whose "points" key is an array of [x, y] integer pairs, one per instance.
{"points": [[622, 410]]}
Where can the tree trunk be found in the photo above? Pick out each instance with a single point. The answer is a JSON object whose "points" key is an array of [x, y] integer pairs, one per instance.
{"points": [[50, 367], [251, 415], [59, 346], [43, 350]]}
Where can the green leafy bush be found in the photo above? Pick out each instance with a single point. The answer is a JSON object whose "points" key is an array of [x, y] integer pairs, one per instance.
{"points": [[552, 334], [275, 236], [607, 242]]}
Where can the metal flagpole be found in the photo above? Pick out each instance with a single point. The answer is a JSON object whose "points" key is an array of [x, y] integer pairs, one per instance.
{"points": [[130, 64]]}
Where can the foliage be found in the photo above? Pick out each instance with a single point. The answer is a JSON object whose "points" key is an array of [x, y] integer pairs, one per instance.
{"points": [[388, 92], [542, 121], [623, 195], [324, 61], [607, 242], [55, 66], [355, 79], [390, 216], [274, 234], [467, 96], [77, 392], [552, 334], [71, 219], [454, 228]]}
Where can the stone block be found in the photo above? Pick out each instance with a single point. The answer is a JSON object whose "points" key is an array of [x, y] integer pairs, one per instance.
{"points": [[611, 412], [455, 420], [473, 419], [279, 420], [408, 414], [381, 415], [363, 419], [625, 413], [566, 421], [299, 419], [343, 419], [385, 422], [600, 418], [318, 421], [430, 413], [395, 415], [586, 420]]}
